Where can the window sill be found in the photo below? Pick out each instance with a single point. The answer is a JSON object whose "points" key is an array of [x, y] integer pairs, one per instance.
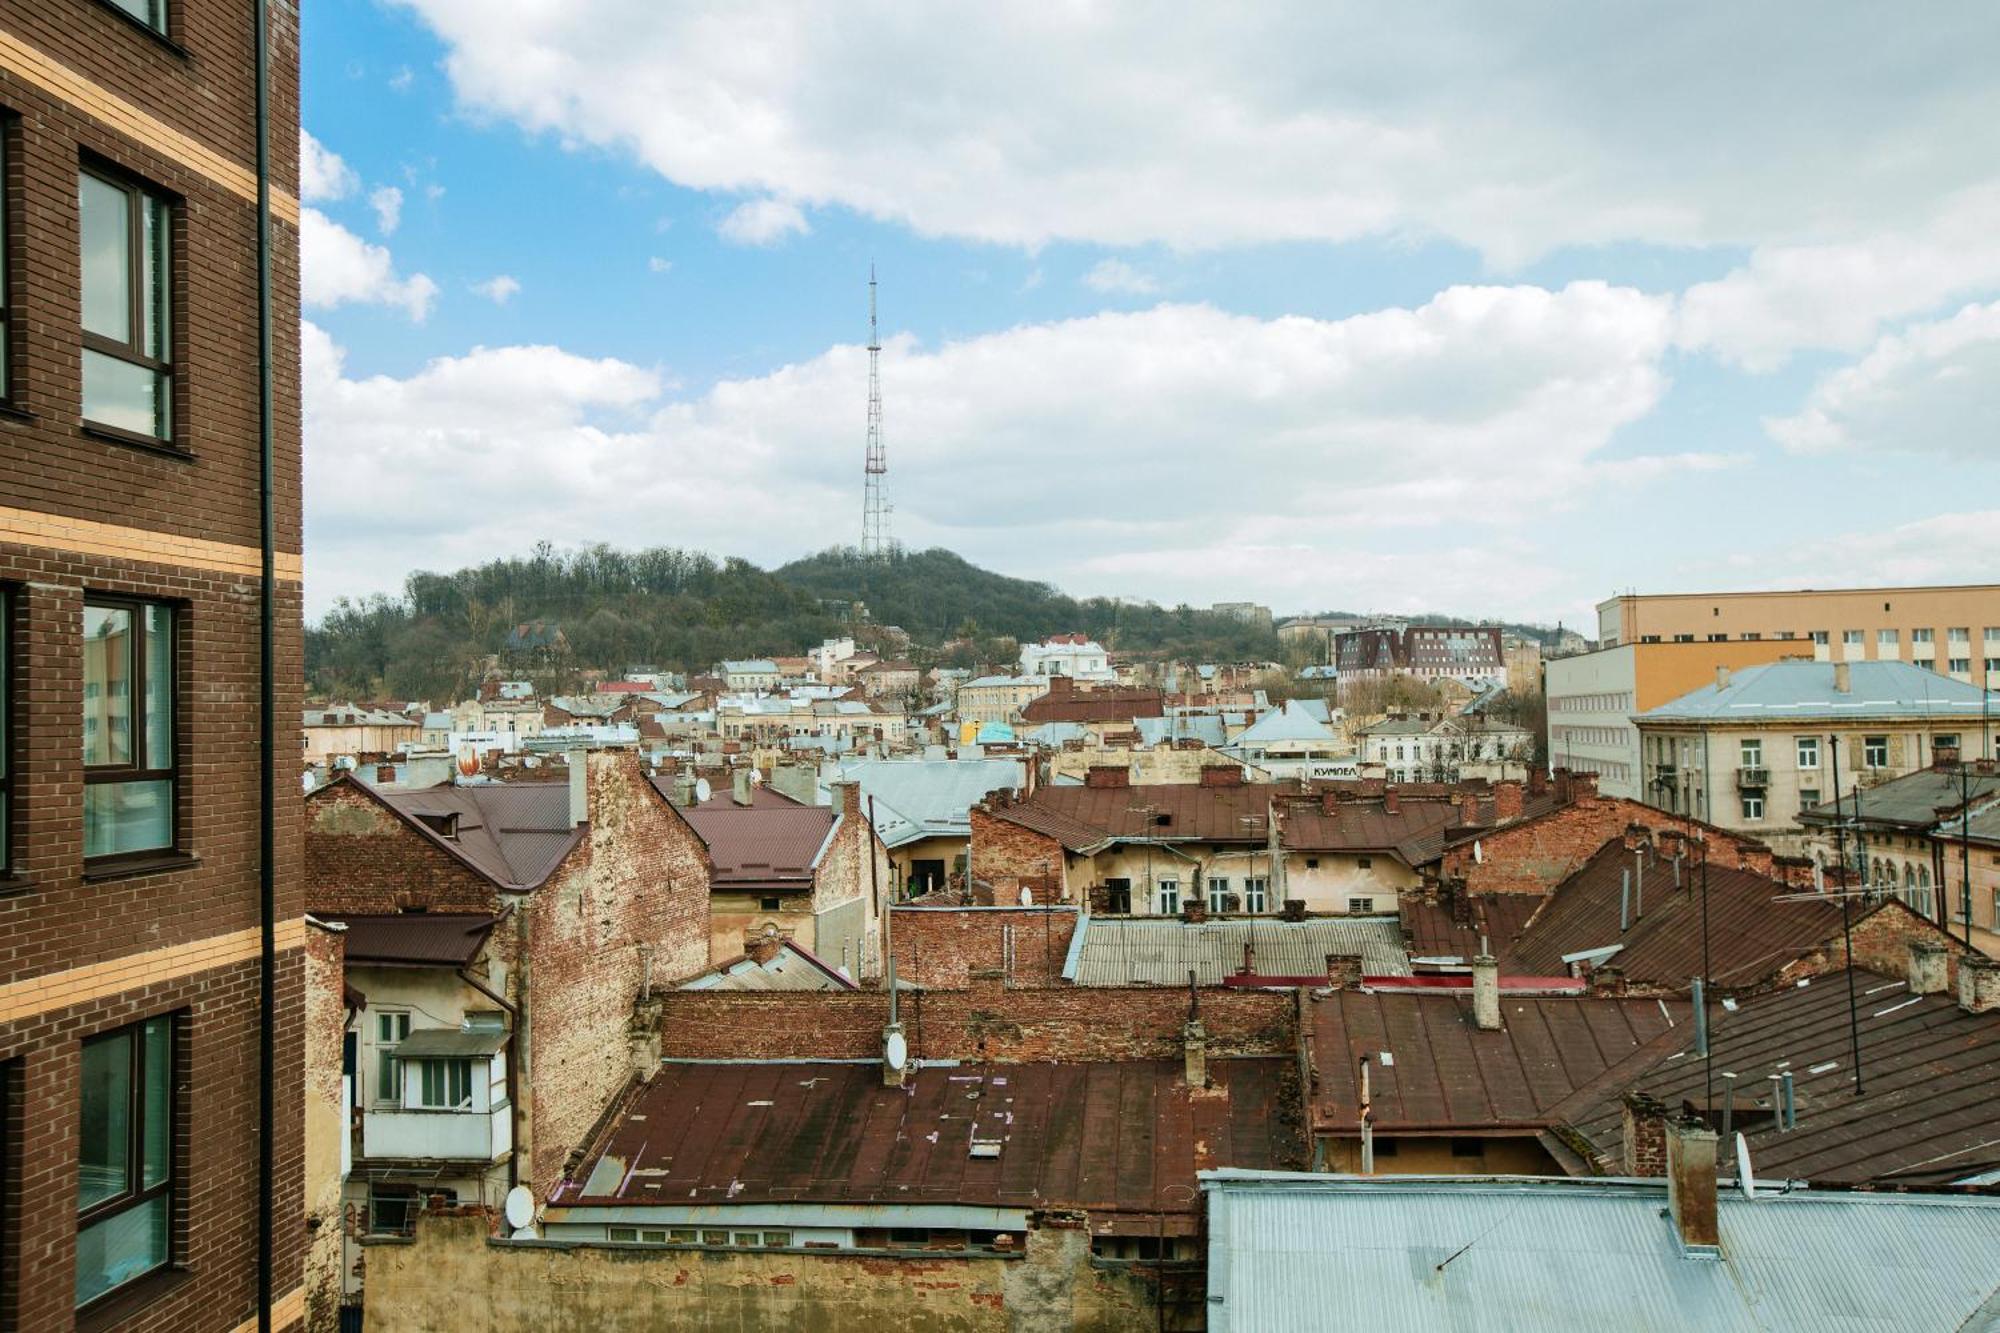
{"points": [[132, 868], [13, 413], [12, 886], [120, 1304], [140, 25], [134, 440]]}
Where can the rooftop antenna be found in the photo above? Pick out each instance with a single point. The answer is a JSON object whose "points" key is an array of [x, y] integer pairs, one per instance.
{"points": [[875, 541]]}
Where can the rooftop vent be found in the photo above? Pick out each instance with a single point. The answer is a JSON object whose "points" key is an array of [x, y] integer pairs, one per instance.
{"points": [[984, 1148]]}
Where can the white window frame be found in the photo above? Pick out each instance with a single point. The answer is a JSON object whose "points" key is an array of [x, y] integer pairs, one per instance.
{"points": [[388, 1070], [1256, 893], [1753, 808], [1808, 753], [1167, 897]]}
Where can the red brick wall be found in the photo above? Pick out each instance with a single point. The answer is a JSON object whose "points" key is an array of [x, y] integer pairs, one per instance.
{"points": [[325, 1030], [1536, 856], [1881, 944], [363, 857], [987, 1021], [940, 947], [1005, 858]]}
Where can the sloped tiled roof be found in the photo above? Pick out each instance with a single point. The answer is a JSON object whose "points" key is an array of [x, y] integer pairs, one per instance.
{"points": [[514, 833]]}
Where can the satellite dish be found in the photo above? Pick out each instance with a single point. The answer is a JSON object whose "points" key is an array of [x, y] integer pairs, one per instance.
{"points": [[1027, 896], [526, 1233], [895, 1051], [520, 1208], [702, 791], [1745, 1180], [756, 778]]}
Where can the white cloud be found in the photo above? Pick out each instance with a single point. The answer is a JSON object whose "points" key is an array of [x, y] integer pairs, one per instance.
{"points": [[1511, 130], [401, 80], [1959, 547], [762, 222], [1284, 453], [499, 289], [387, 201], [659, 265], [1934, 388], [1837, 296], [336, 267], [1115, 275], [323, 176]]}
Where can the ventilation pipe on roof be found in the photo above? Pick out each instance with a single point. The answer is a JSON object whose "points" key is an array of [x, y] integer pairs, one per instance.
{"points": [[1691, 1185], [579, 787], [1486, 991], [1843, 678], [1928, 967], [1978, 984]]}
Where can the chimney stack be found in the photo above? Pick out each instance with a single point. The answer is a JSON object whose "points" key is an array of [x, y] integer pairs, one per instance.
{"points": [[1486, 992], [579, 786], [1392, 801], [1722, 678], [1843, 678], [739, 786], [1194, 1053], [1928, 967], [1507, 799], [763, 947], [1978, 984], [1643, 1130], [1691, 1184]]}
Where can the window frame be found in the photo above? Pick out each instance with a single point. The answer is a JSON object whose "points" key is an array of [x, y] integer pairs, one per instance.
{"points": [[8, 815], [161, 30], [1753, 808], [137, 1194], [389, 1066], [1256, 893], [448, 1070], [1870, 746], [139, 194], [1800, 746], [138, 770]]}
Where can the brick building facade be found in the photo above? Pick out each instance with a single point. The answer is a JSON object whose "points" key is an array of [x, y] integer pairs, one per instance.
{"points": [[130, 556]]}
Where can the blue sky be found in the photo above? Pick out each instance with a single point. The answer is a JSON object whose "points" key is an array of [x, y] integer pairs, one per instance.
{"points": [[1295, 308]]}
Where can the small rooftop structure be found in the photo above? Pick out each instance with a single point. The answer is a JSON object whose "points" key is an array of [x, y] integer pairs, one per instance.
{"points": [[784, 966], [1156, 951]]}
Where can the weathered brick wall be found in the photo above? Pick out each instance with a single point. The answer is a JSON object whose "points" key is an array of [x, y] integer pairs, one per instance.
{"points": [[845, 877], [941, 947], [1005, 858], [325, 1123], [1881, 944], [363, 857], [1536, 856], [987, 1021], [631, 903]]}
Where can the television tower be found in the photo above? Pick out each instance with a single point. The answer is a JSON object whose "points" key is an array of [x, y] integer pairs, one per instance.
{"points": [[875, 541]]}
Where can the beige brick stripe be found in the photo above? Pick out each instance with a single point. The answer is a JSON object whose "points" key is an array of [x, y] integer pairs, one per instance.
{"points": [[286, 1310], [83, 536], [81, 985], [62, 82]]}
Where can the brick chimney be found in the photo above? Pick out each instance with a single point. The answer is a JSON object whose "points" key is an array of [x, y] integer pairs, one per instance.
{"points": [[739, 786], [1843, 678], [1194, 1053], [1978, 984], [1928, 967], [1468, 808], [1107, 775], [1691, 1183], [1507, 800], [1343, 971], [763, 947], [1538, 781], [849, 794], [1222, 775], [1294, 910], [1643, 1135], [1392, 801], [1486, 993]]}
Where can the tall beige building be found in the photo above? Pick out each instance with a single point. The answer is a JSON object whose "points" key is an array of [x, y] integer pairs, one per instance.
{"points": [[1954, 630]]}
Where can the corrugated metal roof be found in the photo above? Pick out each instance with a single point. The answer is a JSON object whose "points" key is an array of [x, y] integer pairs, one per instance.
{"points": [[1115, 1138], [933, 796], [1394, 1253], [1430, 930], [1931, 1073], [1084, 818], [791, 968], [1102, 703], [1136, 951], [1448, 1074], [514, 833], [413, 939], [1781, 691]]}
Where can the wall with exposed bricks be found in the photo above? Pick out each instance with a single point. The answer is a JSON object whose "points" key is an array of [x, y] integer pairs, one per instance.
{"points": [[1006, 858], [941, 947], [1535, 856], [325, 1123]]}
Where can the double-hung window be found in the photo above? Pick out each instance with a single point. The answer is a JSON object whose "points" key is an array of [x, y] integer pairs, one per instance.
{"points": [[127, 353], [128, 727], [125, 1176], [1170, 896], [1808, 752], [445, 1084], [390, 1029], [1218, 895], [1255, 891], [1875, 751]]}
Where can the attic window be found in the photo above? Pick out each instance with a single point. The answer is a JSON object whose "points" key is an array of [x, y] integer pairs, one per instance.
{"points": [[1163, 821], [445, 825]]}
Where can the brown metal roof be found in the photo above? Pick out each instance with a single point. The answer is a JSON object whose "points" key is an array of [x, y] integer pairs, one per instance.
{"points": [[1371, 826], [1085, 818], [1751, 931], [514, 833], [1432, 930], [1114, 1138], [1931, 1076], [414, 939], [1443, 1074], [1110, 703], [771, 843]]}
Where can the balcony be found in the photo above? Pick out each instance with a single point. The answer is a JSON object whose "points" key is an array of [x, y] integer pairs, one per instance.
{"points": [[1752, 778], [452, 1136]]}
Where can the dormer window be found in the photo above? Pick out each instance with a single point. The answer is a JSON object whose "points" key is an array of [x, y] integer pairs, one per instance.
{"points": [[444, 824]]}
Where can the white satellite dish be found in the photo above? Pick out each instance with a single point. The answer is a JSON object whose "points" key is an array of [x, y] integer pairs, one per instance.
{"points": [[1027, 896], [702, 791], [526, 1233], [520, 1207], [895, 1050], [1745, 1179]]}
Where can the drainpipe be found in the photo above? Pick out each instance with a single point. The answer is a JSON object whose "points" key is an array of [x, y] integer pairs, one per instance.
{"points": [[267, 824], [513, 1066]]}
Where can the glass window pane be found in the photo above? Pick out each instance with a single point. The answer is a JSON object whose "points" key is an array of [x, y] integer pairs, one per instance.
{"points": [[120, 1248], [118, 393], [107, 685], [159, 700], [107, 261], [105, 1146], [153, 277], [159, 1122], [127, 817], [6, 664]]}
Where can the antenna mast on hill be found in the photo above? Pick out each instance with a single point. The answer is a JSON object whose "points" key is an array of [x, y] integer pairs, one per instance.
{"points": [[875, 540]]}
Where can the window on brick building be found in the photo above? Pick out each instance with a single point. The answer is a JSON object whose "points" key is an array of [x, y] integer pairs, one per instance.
{"points": [[125, 1147], [6, 732], [129, 728], [127, 370], [152, 13]]}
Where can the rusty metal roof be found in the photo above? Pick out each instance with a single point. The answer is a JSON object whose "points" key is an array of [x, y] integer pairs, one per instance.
{"points": [[1117, 1138], [1372, 826], [1931, 1077], [1442, 1074], [1112, 703], [1087, 818], [413, 939], [1752, 931], [772, 843], [513, 833], [1431, 929]]}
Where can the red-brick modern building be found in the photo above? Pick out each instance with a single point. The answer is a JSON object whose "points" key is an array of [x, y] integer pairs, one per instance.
{"points": [[133, 551]]}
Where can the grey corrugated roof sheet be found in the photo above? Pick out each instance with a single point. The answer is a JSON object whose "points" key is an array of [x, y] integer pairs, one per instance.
{"points": [[791, 968], [1136, 951], [1779, 691], [1392, 1253], [934, 797], [450, 1043]]}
